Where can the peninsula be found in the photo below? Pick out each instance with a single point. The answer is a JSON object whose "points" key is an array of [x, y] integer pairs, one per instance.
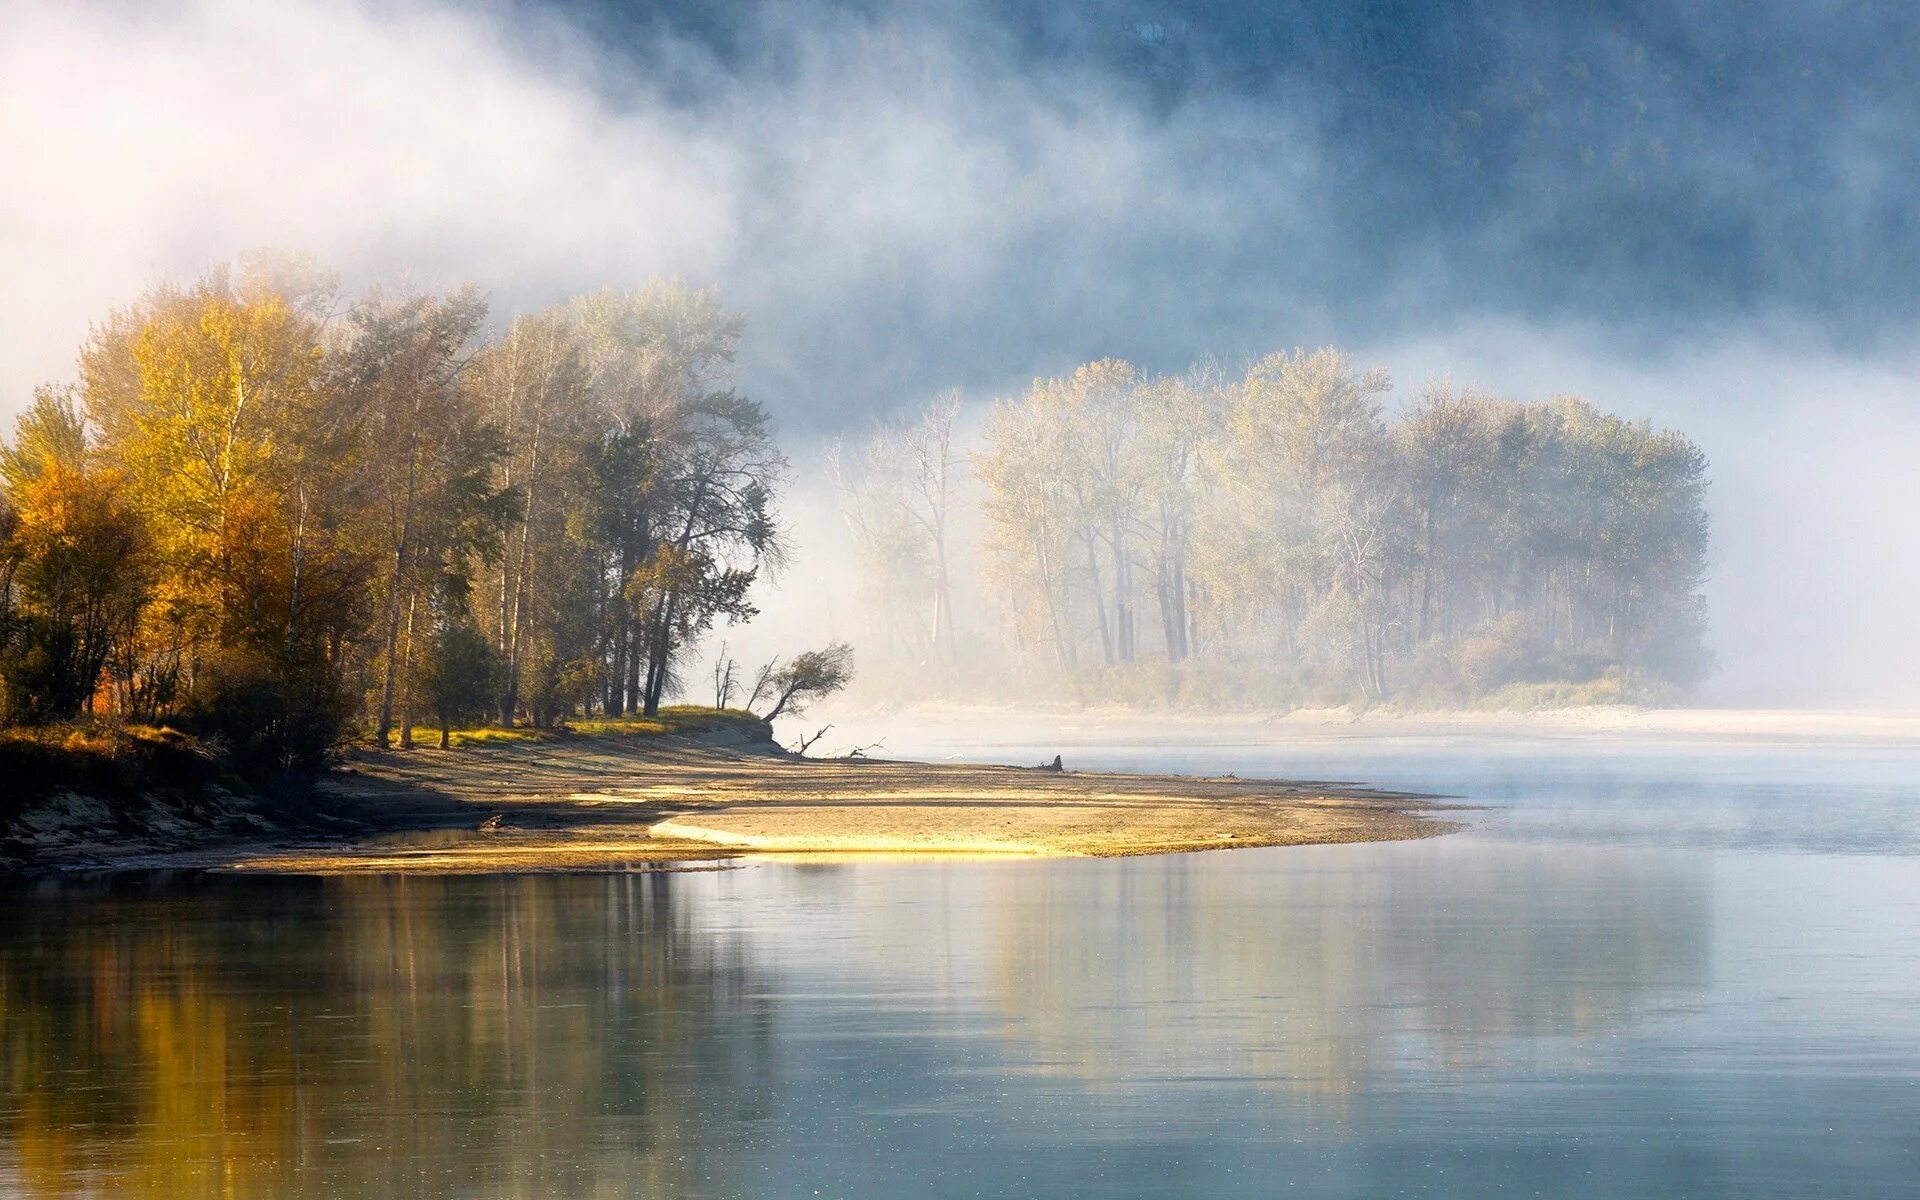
{"points": [[713, 787]]}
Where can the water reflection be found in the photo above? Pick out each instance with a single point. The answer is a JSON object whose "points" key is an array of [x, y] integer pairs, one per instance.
{"points": [[374, 1037], [705, 1035], [1316, 974]]}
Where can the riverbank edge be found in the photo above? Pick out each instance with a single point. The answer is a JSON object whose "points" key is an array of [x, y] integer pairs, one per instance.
{"points": [[129, 798], [548, 806]]}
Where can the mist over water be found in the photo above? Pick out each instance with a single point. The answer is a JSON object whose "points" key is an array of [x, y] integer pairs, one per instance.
{"points": [[1684, 212], [1680, 957]]}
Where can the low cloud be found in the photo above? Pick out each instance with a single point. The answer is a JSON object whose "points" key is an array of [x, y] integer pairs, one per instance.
{"points": [[913, 200]]}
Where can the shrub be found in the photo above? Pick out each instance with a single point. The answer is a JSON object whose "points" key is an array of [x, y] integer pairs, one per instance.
{"points": [[460, 677], [1500, 652], [264, 721]]}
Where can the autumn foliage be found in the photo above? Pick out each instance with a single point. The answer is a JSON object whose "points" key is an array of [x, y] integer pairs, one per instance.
{"points": [[274, 517]]}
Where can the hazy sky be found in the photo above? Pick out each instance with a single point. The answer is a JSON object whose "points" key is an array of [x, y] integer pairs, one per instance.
{"points": [[1699, 212]]}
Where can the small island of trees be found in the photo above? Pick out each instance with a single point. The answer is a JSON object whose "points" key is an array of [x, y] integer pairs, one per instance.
{"points": [[1274, 537]]}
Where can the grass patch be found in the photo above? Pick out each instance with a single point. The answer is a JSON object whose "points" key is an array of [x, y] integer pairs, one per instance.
{"points": [[485, 735], [674, 720], [1611, 688], [671, 720]]}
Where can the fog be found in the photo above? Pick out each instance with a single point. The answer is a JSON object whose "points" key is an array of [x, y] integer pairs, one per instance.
{"points": [[1693, 218]]}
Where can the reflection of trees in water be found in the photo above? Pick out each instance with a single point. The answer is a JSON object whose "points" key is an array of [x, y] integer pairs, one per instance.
{"points": [[1311, 973], [554, 1037], [415, 1037]]}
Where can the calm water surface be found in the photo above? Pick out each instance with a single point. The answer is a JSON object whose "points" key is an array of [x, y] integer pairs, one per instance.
{"points": [[1650, 970]]}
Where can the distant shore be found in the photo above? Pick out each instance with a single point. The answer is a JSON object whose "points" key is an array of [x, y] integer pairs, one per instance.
{"points": [[1064, 726]]}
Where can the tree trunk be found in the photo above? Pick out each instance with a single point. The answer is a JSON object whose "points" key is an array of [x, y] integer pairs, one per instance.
{"points": [[1426, 576], [1099, 601], [637, 689], [1172, 589], [1193, 596], [384, 731], [406, 679], [510, 701], [617, 630], [1063, 648], [942, 600], [396, 588], [514, 615], [659, 651]]}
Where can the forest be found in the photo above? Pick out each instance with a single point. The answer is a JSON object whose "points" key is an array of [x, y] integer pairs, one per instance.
{"points": [[279, 519], [1275, 537], [274, 518]]}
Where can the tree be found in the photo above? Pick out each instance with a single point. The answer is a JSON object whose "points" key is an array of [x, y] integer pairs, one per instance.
{"points": [[896, 491], [719, 504], [1064, 481], [1029, 515], [75, 565], [51, 432], [1302, 461], [429, 468], [458, 676], [1447, 450], [928, 443], [1176, 419], [1324, 548], [531, 386], [659, 365], [316, 514], [212, 405], [808, 676]]}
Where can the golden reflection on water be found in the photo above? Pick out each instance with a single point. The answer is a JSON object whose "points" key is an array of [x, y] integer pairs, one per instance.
{"points": [[412, 1047], [550, 1036]]}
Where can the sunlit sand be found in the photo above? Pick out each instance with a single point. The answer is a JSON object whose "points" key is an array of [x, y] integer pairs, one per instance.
{"points": [[608, 804]]}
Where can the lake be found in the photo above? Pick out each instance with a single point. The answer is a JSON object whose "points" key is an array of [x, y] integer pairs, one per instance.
{"points": [[1649, 969]]}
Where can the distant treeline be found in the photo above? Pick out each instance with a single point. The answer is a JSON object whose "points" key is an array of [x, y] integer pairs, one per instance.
{"points": [[1278, 538], [264, 513]]}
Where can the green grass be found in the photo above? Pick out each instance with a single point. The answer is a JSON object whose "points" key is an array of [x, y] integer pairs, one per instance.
{"points": [[672, 720]]}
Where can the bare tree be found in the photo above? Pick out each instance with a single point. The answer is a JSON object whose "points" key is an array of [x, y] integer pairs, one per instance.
{"points": [[897, 488], [724, 681], [930, 455]]}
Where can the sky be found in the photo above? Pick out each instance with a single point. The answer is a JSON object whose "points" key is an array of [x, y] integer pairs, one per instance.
{"points": [[1695, 212]]}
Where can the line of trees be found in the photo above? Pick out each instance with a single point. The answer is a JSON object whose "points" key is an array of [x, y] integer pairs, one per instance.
{"points": [[269, 514], [1276, 536]]}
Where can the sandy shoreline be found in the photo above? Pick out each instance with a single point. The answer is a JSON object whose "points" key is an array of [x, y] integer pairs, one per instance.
{"points": [[598, 803], [612, 804]]}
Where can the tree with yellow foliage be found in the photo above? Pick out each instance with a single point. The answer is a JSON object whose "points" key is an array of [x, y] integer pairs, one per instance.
{"points": [[73, 566], [211, 404]]}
